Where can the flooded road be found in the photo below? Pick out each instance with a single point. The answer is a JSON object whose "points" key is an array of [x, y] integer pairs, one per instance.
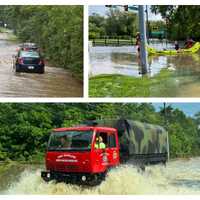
{"points": [[178, 177], [184, 81], [55, 82]]}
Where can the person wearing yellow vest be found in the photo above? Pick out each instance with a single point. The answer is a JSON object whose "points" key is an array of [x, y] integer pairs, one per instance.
{"points": [[99, 144]]}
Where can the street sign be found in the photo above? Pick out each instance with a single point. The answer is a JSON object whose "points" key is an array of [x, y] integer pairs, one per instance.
{"points": [[126, 7], [135, 8]]}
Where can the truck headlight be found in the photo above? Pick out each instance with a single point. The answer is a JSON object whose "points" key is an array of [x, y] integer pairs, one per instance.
{"points": [[83, 178], [48, 175]]}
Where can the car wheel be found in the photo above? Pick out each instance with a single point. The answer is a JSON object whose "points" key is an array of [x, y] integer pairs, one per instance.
{"points": [[17, 69], [41, 71]]}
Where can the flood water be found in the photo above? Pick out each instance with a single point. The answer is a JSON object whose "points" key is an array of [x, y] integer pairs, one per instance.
{"points": [[178, 177], [55, 82], [185, 78]]}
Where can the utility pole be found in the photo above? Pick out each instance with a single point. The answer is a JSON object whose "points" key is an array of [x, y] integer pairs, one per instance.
{"points": [[143, 40], [147, 23]]}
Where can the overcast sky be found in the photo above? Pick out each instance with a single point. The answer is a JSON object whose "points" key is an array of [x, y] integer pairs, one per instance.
{"points": [[100, 9]]}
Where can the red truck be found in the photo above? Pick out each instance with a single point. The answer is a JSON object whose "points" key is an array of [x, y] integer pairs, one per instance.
{"points": [[84, 154]]}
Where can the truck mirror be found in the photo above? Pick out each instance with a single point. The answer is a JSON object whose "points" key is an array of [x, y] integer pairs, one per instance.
{"points": [[46, 145]]}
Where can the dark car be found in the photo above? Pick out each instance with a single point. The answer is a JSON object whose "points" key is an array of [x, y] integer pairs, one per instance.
{"points": [[29, 61]]}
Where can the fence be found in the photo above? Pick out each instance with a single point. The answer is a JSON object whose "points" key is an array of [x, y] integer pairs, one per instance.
{"points": [[115, 41]]}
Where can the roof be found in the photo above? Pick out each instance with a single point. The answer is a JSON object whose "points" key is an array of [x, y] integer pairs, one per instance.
{"points": [[84, 128]]}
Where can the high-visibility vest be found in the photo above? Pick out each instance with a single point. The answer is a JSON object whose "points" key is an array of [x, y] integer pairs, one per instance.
{"points": [[100, 145]]}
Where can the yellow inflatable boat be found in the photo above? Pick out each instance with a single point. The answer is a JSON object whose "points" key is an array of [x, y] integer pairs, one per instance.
{"points": [[193, 49]]}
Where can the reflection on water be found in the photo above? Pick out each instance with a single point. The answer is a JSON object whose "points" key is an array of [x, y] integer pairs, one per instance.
{"points": [[55, 82], [113, 60], [185, 80], [178, 177]]}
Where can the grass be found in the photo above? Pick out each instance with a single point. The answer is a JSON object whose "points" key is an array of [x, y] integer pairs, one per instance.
{"points": [[3, 30], [126, 86], [10, 36]]}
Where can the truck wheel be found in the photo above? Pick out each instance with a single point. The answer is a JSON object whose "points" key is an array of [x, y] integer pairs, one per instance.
{"points": [[141, 168], [96, 179], [46, 179], [164, 163]]}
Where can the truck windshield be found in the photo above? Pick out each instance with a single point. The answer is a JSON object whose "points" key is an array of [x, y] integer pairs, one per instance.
{"points": [[70, 140]]}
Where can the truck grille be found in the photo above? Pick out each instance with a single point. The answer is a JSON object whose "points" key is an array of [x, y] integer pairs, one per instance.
{"points": [[72, 167], [67, 167]]}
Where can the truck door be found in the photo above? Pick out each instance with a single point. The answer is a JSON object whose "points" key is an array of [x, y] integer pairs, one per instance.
{"points": [[112, 150], [109, 155], [100, 154]]}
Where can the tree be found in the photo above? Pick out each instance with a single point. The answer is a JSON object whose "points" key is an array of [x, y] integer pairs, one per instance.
{"points": [[182, 21], [115, 23]]}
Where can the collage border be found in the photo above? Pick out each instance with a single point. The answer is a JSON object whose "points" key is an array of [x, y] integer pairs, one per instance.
{"points": [[86, 99]]}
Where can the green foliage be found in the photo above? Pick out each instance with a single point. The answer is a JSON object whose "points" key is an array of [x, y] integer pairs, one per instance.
{"points": [[58, 30], [182, 21], [25, 127], [115, 23], [184, 133]]}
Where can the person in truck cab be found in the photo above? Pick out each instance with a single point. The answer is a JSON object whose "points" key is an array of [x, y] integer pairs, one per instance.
{"points": [[99, 144], [64, 142]]}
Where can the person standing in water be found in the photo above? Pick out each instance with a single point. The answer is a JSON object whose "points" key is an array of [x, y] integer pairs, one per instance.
{"points": [[138, 41]]}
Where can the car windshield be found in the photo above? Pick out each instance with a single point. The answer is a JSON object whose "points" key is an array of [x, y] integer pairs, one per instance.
{"points": [[70, 140], [32, 54]]}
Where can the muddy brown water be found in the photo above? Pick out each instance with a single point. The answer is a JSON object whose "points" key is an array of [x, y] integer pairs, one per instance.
{"points": [[185, 79], [181, 176], [55, 82]]}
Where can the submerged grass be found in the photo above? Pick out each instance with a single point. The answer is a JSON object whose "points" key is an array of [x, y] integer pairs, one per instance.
{"points": [[12, 38], [3, 30], [126, 86], [10, 35]]}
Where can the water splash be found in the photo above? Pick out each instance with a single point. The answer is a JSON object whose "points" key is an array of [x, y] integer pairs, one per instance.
{"points": [[179, 177]]}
